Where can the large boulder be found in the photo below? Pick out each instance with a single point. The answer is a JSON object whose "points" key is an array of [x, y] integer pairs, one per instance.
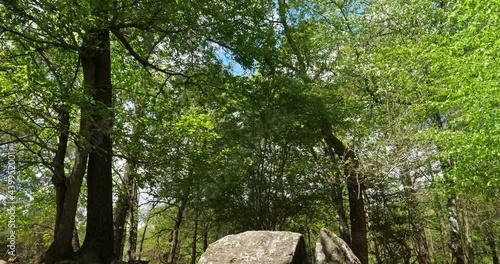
{"points": [[257, 247], [331, 249]]}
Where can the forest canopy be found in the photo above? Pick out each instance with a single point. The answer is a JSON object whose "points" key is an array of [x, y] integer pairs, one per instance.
{"points": [[146, 130]]}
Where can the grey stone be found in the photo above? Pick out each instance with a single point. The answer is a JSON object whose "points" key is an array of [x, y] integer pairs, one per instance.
{"points": [[331, 249], [257, 247]]}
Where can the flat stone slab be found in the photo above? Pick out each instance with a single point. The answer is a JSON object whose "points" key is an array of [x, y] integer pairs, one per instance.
{"points": [[257, 247]]}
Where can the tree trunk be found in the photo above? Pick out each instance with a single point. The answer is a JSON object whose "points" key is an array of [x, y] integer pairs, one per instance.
{"points": [[432, 254], [195, 236], [175, 232], [96, 64], [123, 206], [342, 218], [358, 219], [309, 242], [420, 241], [457, 251], [59, 181], [378, 255], [468, 232], [205, 237], [133, 223], [59, 177], [62, 248], [75, 241], [455, 245], [442, 227], [416, 221], [493, 247], [355, 188], [338, 201], [143, 236]]}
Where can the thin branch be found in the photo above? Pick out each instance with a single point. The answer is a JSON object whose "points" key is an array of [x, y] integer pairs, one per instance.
{"points": [[295, 49], [145, 63], [63, 45], [18, 139]]}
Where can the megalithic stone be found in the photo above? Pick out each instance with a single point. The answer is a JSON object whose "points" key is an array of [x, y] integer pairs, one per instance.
{"points": [[331, 249], [257, 247]]}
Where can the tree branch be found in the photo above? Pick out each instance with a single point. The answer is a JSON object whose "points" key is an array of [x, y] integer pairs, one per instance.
{"points": [[144, 62]]}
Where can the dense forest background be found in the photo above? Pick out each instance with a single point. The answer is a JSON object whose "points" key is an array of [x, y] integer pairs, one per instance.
{"points": [[141, 129]]}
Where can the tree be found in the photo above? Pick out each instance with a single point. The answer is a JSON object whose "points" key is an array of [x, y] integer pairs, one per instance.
{"points": [[391, 99], [89, 36]]}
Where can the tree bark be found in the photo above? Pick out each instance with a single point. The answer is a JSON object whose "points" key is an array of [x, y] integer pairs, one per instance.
{"points": [[457, 251], [378, 255], [205, 237], [59, 175], [123, 206], [195, 237], [96, 64], [133, 223], [357, 218], [442, 226], [355, 188], [432, 253], [143, 236], [493, 247], [75, 241], [468, 232], [415, 219], [175, 232], [59, 179], [420, 239], [338, 200], [62, 248]]}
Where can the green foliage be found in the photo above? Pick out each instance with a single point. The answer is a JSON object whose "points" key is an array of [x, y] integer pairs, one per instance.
{"points": [[410, 85]]}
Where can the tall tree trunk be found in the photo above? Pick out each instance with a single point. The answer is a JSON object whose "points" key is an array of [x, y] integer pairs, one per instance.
{"points": [[133, 223], [205, 237], [432, 253], [175, 232], [442, 227], [338, 201], [355, 188], [143, 237], [309, 242], [75, 241], [420, 239], [457, 251], [357, 218], [59, 175], [59, 179], [195, 237], [455, 244], [416, 221], [123, 206], [342, 216], [62, 248], [337, 195], [96, 64], [468, 232], [493, 247], [378, 252]]}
